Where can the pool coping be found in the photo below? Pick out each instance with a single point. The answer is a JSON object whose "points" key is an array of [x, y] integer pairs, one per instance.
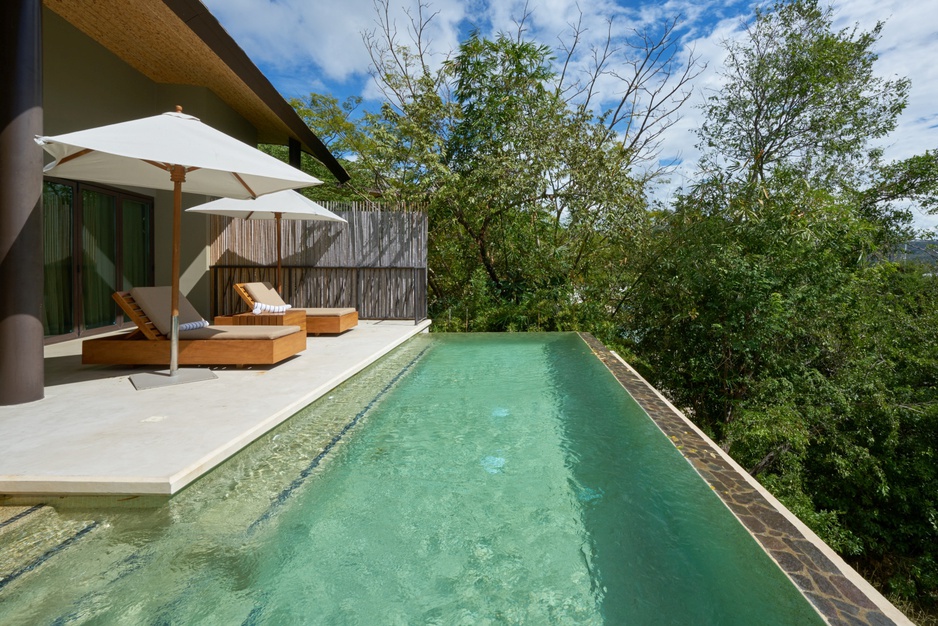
{"points": [[836, 591]]}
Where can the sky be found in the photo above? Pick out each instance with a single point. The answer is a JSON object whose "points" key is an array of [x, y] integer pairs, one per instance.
{"points": [[306, 46]]}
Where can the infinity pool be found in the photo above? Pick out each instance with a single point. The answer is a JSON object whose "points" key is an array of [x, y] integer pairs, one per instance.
{"points": [[464, 479]]}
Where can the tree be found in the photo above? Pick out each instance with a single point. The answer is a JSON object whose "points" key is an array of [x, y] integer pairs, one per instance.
{"points": [[533, 195], [811, 360], [331, 122], [876, 462], [799, 94], [768, 308]]}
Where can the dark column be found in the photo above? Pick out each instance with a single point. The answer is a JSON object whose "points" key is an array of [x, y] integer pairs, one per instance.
{"points": [[294, 147], [21, 262]]}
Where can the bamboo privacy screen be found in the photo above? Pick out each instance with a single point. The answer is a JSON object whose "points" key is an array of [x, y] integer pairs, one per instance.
{"points": [[377, 263]]}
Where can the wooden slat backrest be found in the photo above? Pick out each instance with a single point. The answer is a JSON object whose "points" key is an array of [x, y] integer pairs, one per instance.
{"points": [[130, 308], [241, 291]]}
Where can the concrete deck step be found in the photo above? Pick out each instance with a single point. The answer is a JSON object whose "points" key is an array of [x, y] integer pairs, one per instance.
{"points": [[31, 535]]}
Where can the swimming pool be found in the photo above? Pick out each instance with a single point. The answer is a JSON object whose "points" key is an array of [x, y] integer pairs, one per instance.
{"points": [[464, 479]]}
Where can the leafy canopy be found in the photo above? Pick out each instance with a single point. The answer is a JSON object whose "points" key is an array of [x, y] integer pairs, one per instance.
{"points": [[799, 93]]}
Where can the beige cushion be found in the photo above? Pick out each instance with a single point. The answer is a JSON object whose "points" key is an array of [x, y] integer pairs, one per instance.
{"points": [[264, 293], [327, 312], [239, 332], [156, 303]]}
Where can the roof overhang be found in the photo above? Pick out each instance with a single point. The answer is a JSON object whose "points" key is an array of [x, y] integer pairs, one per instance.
{"points": [[180, 42]]}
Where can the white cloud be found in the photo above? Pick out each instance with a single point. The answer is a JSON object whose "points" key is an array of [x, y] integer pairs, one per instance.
{"points": [[304, 46], [908, 47]]}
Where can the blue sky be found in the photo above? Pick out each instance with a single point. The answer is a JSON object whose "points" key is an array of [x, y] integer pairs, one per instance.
{"points": [[305, 45]]}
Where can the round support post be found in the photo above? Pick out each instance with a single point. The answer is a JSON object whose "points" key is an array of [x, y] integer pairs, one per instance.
{"points": [[21, 259]]}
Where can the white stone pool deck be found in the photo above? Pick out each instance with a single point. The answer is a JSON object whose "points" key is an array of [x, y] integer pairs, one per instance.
{"points": [[95, 434]]}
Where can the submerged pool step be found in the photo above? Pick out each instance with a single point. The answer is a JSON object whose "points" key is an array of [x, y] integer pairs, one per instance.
{"points": [[30, 536], [307, 472], [10, 515]]}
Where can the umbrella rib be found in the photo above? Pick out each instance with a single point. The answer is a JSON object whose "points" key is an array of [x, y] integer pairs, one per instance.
{"points": [[167, 167], [162, 166], [244, 184], [80, 153]]}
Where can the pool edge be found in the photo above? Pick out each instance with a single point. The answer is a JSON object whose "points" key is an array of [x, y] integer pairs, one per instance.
{"points": [[836, 591], [187, 476]]}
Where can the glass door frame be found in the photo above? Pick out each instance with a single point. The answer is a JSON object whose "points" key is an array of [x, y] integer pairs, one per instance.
{"points": [[77, 225]]}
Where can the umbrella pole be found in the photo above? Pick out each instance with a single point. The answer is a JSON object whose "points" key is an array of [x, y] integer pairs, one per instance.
{"points": [[178, 176], [279, 279]]}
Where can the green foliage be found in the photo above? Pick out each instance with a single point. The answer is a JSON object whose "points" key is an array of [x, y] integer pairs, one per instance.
{"points": [[530, 189], [501, 152], [330, 121], [529, 197], [766, 308], [883, 446], [801, 94], [913, 180], [815, 367], [736, 291], [406, 144]]}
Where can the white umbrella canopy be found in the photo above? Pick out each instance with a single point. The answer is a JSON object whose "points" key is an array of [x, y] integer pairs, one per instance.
{"points": [[139, 153], [288, 205], [166, 152]]}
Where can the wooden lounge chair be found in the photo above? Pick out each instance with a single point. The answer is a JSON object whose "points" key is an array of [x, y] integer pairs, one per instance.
{"points": [[149, 344], [318, 320]]}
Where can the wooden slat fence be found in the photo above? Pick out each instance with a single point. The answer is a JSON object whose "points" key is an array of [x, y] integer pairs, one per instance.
{"points": [[377, 263]]}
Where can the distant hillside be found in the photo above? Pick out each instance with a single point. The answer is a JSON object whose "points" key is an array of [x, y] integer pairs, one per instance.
{"points": [[920, 250]]}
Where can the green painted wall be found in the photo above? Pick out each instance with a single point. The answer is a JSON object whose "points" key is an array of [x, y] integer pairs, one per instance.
{"points": [[84, 86]]}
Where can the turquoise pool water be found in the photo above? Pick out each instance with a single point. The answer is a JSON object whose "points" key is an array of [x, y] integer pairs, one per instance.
{"points": [[475, 479]]}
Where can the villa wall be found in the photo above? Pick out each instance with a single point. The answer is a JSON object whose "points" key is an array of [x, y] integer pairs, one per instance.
{"points": [[85, 85]]}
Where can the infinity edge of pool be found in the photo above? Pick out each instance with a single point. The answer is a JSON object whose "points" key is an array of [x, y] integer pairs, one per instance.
{"points": [[835, 590]]}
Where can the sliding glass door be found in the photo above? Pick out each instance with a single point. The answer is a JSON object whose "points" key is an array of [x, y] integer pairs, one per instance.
{"points": [[59, 287], [136, 238], [98, 259], [97, 241]]}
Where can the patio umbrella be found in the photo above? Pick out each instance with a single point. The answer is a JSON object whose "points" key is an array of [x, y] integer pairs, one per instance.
{"points": [[287, 205], [164, 152]]}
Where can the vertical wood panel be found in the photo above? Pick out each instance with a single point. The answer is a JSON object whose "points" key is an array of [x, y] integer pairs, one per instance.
{"points": [[375, 263]]}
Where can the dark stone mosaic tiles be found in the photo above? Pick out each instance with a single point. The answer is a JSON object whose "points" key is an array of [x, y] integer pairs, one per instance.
{"points": [[834, 596]]}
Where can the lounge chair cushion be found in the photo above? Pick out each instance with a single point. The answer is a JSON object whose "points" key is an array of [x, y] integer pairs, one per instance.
{"points": [[320, 312], [156, 303], [264, 293], [239, 332]]}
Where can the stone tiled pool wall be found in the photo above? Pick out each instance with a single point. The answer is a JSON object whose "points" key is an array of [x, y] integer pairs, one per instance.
{"points": [[838, 593]]}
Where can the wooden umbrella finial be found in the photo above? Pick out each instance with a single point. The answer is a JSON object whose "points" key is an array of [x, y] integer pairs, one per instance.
{"points": [[178, 108]]}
